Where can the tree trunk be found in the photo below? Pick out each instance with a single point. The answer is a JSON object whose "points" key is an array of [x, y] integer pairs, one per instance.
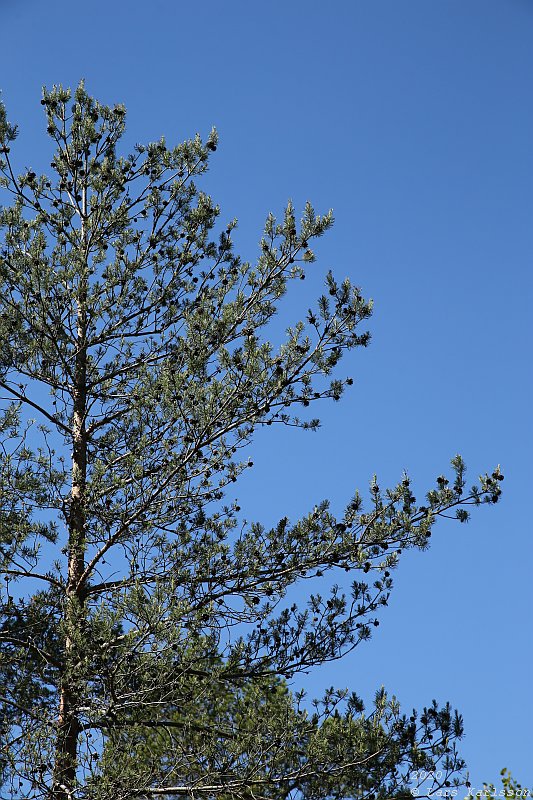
{"points": [[68, 723]]}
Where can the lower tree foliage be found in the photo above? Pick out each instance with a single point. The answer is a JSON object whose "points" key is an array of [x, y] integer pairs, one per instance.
{"points": [[510, 789], [149, 642]]}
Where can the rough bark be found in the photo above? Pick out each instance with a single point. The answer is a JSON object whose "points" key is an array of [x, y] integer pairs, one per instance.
{"points": [[68, 724]]}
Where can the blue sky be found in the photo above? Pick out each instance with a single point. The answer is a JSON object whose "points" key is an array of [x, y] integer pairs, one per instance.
{"points": [[413, 120]]}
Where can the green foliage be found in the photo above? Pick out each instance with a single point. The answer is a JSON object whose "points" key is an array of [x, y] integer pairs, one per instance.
{"points": [[511, 789], [146, 632]]}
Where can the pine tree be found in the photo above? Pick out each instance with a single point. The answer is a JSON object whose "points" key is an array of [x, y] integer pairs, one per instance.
{"points": [[147, 635]]}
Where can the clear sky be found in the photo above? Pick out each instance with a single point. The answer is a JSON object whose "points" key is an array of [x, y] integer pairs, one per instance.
{"points": [[413, 119]]}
